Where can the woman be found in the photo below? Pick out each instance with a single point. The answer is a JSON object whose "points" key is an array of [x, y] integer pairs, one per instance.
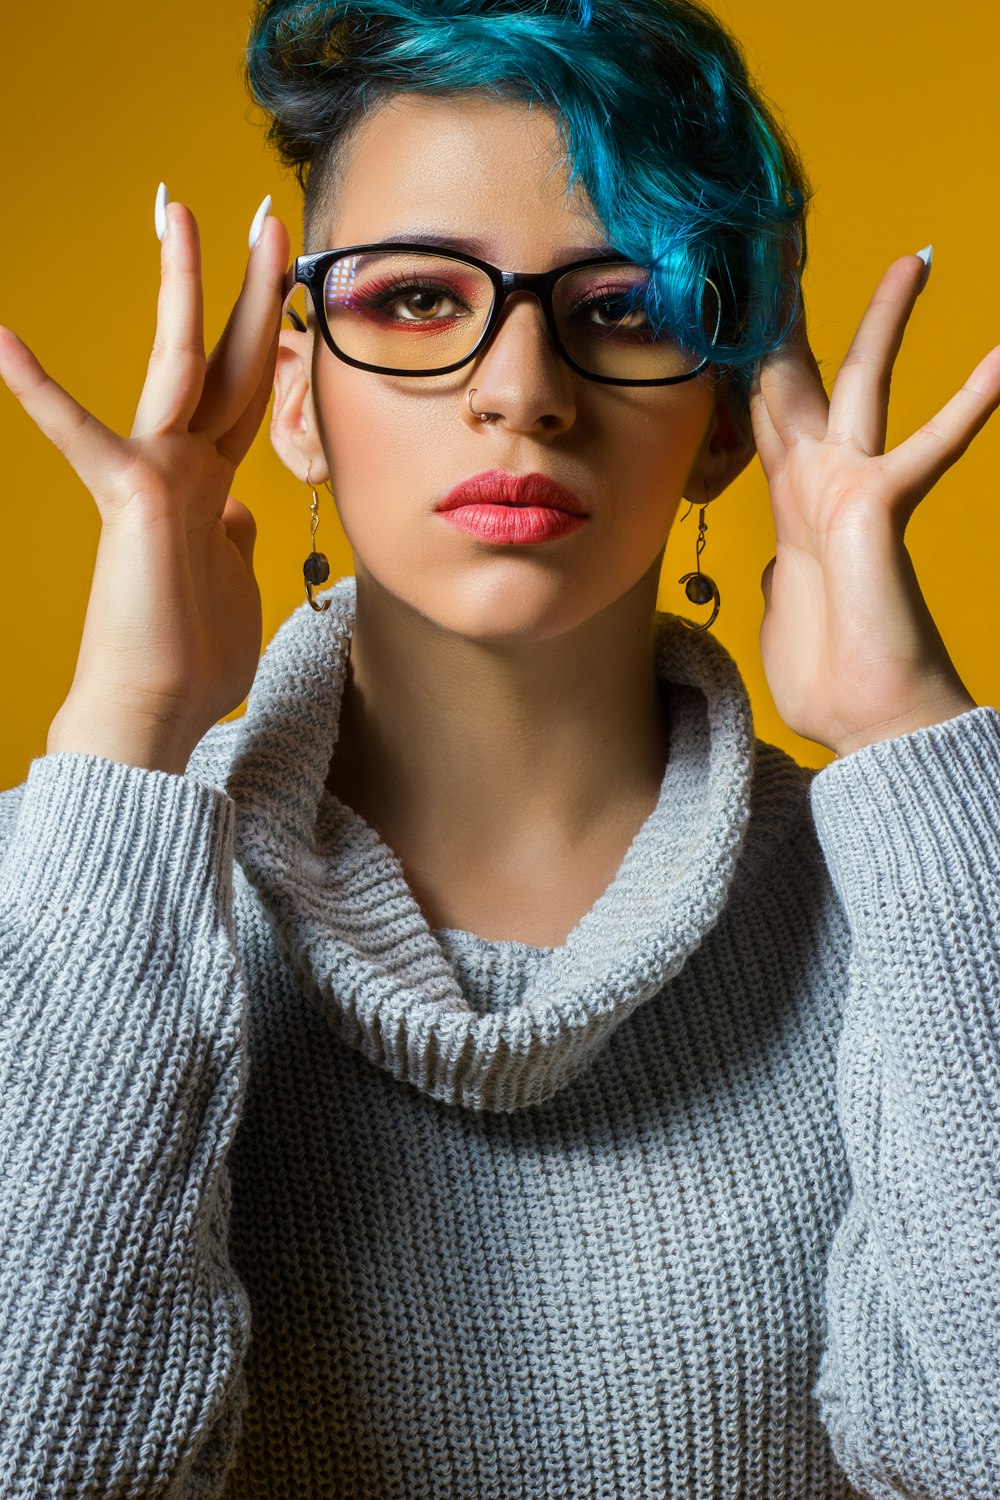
{"points": [[485, 1069]]}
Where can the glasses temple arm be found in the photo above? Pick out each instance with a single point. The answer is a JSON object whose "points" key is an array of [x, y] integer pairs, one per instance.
{"points": [[289, 312]]}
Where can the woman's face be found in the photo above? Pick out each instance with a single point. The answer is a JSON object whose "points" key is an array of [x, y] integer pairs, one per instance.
{"points": [[394, 446]]}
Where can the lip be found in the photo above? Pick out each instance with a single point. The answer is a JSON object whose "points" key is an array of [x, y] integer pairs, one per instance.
{"points": [[512, 525], [496, 487]]}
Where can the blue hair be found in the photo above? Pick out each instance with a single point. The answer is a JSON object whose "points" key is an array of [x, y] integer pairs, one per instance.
{"points": [[686, 165]]}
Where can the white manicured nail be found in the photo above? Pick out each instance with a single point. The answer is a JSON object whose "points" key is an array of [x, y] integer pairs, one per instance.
{"points": [[258, 220], [160, 210], [926, 255]]}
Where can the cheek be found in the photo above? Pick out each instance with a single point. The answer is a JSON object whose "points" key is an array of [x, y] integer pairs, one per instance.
{"points": [[373, 453], [355, 430], [661, 444], [647, 457]]}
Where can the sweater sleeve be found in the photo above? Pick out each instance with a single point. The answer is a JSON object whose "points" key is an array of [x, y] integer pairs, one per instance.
{"points": [[909, 1384], [123, 1327]]}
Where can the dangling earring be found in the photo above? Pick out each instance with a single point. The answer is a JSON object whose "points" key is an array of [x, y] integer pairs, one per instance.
{"points": [[699, 587], [315, 569]]}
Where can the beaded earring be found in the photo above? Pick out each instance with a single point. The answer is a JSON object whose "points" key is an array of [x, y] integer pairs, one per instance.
{"points": [[699, 588], [316, 568]]}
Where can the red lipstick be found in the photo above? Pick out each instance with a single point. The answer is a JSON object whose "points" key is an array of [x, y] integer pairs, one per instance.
{"points": [[512, 509]]}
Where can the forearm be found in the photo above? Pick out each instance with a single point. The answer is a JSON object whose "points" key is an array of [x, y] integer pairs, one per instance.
{"points": [[121, 1073], [911, 1372]]}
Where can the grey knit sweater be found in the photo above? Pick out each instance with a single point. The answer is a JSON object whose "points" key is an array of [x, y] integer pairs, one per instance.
{"points": [[301, 1199]]}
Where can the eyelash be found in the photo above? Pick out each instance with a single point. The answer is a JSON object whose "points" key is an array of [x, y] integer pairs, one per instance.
{"points": [[390, 289]]}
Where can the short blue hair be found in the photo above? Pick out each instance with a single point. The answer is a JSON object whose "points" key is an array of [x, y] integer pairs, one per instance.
{"points": [[685, 163]]}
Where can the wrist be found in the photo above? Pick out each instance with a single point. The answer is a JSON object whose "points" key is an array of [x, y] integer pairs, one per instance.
{"points": [[923, 718], [133, 737]]}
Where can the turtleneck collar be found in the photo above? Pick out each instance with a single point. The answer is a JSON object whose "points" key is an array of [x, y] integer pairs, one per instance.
{"points": [[358, 943]]}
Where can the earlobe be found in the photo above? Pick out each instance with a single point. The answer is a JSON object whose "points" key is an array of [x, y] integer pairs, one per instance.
{"points": [[294, 433]]}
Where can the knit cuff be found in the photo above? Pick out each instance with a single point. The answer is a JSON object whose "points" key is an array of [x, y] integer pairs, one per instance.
{"points": [[913, 808], [115, 838]]}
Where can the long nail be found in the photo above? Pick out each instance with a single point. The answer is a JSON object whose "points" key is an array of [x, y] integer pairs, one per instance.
{"points": [[258, 220], [926, 255], [160, 211]]}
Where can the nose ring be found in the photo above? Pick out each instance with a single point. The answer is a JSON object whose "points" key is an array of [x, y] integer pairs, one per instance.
{"points": [[482, 416]]}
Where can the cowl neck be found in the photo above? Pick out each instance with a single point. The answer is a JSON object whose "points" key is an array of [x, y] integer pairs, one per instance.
{"points": [[360, 947]]}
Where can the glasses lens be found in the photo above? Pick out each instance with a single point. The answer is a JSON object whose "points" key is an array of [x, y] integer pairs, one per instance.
{"points": [[422, 312], [406, 311], [607, 323]]}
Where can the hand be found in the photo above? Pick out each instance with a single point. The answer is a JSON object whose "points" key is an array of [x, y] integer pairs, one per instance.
{"points": [[172, 635], [849, 647]]}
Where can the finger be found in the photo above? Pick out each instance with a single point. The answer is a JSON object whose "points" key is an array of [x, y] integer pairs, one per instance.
{"points": [[238, 362], [176, 373], [770, 448], [859, 404], [792, 387], [914, 466], [235, 443], [93, 450]]}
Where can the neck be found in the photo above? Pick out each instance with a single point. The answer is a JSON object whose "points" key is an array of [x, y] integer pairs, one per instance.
{"points": [[491, 737]]}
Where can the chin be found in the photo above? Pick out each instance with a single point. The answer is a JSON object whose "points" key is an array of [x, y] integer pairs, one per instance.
{"points": [[505, 600], [508, 606], [498, 622]]}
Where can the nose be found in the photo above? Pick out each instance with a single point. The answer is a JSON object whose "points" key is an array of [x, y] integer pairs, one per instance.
{"points": [[520, 374]]}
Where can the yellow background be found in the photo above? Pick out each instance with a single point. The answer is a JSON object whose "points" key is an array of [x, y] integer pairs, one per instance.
{"points": [[894, 108]]}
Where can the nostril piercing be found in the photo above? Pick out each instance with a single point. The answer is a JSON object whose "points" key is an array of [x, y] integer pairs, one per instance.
{"points": [[483, 416]]}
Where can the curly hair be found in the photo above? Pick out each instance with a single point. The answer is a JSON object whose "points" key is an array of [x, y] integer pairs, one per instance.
{"points": [[684, 162]]}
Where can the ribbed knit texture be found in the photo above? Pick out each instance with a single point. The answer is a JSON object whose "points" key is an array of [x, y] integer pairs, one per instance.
{"points": [[301, 1199]]}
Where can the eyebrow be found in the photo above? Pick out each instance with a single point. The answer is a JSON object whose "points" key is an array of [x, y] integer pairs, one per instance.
{"points": [[477, 247]]}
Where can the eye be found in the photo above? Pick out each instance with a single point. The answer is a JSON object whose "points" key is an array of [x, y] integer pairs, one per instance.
{"points": [[611, 308], [419, 299]]}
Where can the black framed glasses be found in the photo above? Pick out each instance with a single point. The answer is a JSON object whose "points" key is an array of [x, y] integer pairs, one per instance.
{"points": [[403, 309]]}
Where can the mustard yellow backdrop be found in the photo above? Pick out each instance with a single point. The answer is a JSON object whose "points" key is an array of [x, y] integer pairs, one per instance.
{"points": [[894, 107]]}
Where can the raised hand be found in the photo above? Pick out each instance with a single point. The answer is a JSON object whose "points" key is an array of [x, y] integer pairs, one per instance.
{"points": [[849, 647], [172, 634]]}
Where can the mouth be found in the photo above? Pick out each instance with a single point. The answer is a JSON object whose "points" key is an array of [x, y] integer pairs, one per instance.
{"points": [[496, 487]]}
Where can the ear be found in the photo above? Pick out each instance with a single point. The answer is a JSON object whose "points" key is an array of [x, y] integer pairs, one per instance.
{"points": [[727, 448], [295, 433]]}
